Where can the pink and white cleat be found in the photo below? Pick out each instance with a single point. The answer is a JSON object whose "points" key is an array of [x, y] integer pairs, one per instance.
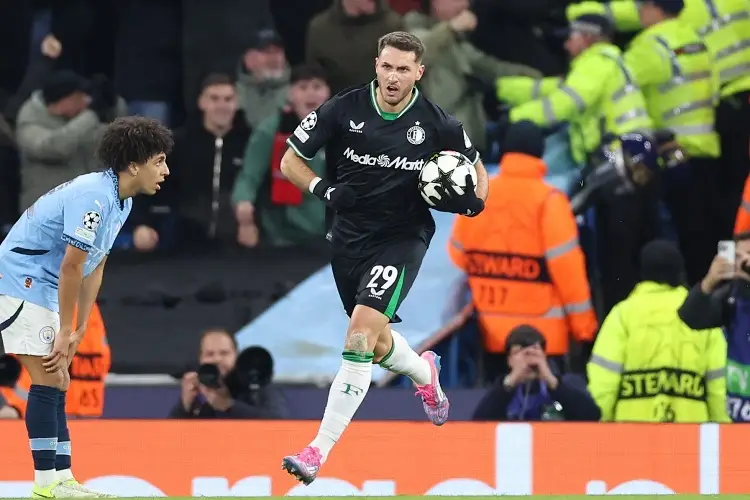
{"points": [[434, 400], [304, 466]]}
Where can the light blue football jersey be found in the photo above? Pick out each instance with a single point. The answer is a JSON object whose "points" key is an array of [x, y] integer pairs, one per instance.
{"points": [[85, 212]]}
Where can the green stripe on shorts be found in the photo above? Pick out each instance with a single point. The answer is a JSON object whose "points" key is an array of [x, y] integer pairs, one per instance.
{"points": [[393, 303]]}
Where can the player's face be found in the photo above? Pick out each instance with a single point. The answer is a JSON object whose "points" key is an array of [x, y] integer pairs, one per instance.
{"points": [[217, 349], [306, 96], [219, 104], [151, 174], [397, 72]]}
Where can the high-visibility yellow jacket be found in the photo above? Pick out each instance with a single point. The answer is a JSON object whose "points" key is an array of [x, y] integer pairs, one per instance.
{"points": [[673, 67], [598, 96], [724, 25], [648, 366]]}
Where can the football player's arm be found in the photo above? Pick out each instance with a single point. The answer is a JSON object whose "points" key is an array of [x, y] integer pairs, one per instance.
{"points": [[87, 297], [483, 181], [458, 140], [82, 217], [310, 135]]}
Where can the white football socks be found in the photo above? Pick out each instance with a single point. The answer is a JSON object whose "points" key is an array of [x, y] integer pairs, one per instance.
{"points": [[403, 360], [347, 392], [44, 478], [64, 475]]}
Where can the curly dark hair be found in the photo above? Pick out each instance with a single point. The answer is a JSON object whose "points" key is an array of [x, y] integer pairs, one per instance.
{"points": [[133, 139]]}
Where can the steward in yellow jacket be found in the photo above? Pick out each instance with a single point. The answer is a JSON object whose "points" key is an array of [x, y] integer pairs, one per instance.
{"points": [[724, 26], [675, 71], [521, 255], [599, 96], [649, 366]]}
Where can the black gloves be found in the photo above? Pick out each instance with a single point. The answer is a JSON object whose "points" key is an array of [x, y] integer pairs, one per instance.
{"points": [[336, 196], [468, 204]]}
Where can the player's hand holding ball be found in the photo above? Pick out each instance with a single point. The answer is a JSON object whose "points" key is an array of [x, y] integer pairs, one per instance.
{"points": [[336, 196], [447, 183]]}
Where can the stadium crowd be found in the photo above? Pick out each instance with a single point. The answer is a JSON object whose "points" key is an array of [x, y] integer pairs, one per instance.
{"points": [[583, 311]]}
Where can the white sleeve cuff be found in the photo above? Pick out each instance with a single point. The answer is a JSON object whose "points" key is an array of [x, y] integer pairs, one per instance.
{"points": [[314, 183]]}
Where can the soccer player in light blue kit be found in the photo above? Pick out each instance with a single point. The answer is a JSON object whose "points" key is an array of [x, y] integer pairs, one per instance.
{"points": [[52, 259]]}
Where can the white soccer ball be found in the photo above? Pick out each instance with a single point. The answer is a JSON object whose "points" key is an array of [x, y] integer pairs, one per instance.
{"points": [[447, 170]]}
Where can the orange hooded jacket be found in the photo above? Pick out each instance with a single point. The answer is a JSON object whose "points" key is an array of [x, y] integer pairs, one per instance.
{"points": [[742, 222], [523, 261], [88, 370]]}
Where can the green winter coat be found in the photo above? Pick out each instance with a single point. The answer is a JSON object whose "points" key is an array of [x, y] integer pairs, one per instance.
{"points": [[279, 225]]}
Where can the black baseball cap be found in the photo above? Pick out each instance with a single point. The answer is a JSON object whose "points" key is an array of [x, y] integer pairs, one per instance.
{"points": [[266, 38], [61, 84], [669, 6], [590, 24]]}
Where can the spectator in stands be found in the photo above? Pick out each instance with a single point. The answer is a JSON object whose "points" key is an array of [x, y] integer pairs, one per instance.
{"points": [[219, 348], [37, 72], [343, 39], [513, 31], [263, 78], [522, 256], [57, 129], [659, 57], [649, 366], [722, 299], [204, 163], [533, 390], [10, 178], [286, 214], [458, 72], [215, 34], [148, 69]]}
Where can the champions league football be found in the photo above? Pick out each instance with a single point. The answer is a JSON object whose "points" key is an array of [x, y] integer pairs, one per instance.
{"points": [[447, 170]]}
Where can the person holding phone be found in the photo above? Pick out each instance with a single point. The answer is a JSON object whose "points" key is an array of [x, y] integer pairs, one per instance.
{"points": [[722, 299]]}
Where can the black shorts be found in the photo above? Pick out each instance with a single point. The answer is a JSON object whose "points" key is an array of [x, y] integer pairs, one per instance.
{"points": [[381, 280]]}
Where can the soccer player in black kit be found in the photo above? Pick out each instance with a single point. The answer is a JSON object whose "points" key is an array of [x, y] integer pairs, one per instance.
{"points": [[377, 138]]}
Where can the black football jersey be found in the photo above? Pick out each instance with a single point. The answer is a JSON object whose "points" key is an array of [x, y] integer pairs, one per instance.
{"points": [[379, 155]]}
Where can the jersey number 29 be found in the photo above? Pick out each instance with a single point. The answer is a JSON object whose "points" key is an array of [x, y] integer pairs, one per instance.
{"points": [[387, 273]]}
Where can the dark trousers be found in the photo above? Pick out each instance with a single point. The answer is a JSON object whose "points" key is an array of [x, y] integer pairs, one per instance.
{"points": [[691, 193], [623, 225], [733, 126]]}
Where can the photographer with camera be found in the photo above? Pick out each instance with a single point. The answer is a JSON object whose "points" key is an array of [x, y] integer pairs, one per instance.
{"points": [[533, 388], [226, 385], [722, 299]]}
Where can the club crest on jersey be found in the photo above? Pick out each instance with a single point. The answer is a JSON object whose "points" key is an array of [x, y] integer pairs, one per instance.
{"points": [[47, 334], [415, 134], [309, 122], [91, 220], [27, 283]]}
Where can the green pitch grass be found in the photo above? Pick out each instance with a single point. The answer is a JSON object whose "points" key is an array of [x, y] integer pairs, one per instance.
{"points": [[499, 497]]}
